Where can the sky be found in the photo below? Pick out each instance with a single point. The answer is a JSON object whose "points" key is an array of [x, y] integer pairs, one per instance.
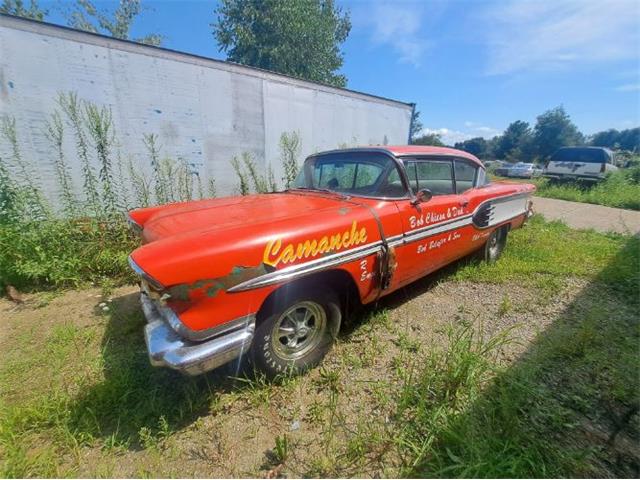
{"points": [[471, 66]]}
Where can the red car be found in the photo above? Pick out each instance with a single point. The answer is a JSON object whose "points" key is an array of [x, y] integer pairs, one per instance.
{"points": [[273, 275]]}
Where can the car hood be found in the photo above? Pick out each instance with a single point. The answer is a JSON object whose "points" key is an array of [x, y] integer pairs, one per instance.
{"points": [[232, 212]]}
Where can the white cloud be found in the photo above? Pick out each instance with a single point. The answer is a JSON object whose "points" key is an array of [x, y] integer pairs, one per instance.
{"points": [[628, 87], [400, 25], [450, 136], [486, 132], [551, 35]]}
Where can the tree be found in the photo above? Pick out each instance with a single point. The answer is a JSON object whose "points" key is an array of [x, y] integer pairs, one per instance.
{"points": [[477, 146], [626, 139], [433, 139], [514, 140], [416, 125], [86, 17], [301, 38], [554, 129], [630, 139], [17, 8], [607, 138]]}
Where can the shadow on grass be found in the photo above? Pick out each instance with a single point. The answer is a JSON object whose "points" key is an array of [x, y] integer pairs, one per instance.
{"points": [[567, 407], [136, 402]]}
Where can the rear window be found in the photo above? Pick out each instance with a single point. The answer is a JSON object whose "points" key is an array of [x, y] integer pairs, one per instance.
{"points": [[584, 155]]}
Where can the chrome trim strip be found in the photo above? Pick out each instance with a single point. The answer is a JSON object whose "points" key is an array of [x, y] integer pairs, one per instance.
{"points": [[153, 311], [419, 235], [438, 224], [135, 226], [140, 272], [134, 266], [308, 267]]}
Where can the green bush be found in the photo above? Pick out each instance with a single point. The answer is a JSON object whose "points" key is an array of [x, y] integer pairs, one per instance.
{"points": [[58, 253]]}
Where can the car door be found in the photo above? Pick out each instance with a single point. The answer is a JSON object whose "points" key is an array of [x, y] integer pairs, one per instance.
{"points": [[431, 237]]}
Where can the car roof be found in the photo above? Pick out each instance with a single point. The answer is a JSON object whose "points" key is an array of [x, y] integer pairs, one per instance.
{"points": [[410, 150], [585, 147]]}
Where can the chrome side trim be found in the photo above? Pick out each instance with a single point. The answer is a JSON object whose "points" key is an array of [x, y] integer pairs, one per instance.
{"points": [[133, 225], [154, 311], [436, 229], [307, 268], [438, 224], [140, 272]]}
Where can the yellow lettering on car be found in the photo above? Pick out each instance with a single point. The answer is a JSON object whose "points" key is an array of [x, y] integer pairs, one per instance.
{"points": [[275, 254]]}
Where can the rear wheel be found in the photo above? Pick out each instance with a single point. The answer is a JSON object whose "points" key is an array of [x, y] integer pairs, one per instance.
{"points": [[495, 245], [295, 331]]}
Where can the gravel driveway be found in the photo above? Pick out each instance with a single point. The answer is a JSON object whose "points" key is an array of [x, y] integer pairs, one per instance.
{"points": [[586, 215]]}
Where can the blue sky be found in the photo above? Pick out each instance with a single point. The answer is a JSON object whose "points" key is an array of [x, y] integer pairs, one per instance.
{"points": [[472, 67]]}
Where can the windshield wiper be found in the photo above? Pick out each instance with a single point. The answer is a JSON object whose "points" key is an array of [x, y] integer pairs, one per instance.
{"points": [[323, 190]]}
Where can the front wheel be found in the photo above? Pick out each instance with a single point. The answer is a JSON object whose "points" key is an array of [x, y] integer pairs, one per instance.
{"points": [[495, 245], [295, 331]]}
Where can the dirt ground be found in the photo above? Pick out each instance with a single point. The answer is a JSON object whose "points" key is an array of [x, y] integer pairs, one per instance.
{"points": [[320, 413]]}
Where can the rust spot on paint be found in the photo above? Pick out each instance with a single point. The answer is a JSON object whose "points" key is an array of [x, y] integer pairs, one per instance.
{"points": [[212, 286]]}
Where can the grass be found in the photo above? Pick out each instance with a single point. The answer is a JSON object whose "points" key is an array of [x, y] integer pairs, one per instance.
{"points": [[78, 397], [544, 253], [537, 418], [620, 189]]}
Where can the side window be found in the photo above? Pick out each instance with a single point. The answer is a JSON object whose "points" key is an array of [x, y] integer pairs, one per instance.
{"points": [[410, 167], [436, 176], [465, 175], [482, 178]]}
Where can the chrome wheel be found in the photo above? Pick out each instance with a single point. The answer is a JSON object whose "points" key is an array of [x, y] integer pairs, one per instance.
{"points": [[298, 330]]}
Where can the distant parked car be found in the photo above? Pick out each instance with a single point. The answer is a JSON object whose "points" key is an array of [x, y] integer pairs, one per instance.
{"points": [[524, 170], [580, 163], [502, 168]]}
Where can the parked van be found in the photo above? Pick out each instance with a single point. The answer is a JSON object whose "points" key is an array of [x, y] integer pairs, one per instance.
{"points": [[584, 163]]}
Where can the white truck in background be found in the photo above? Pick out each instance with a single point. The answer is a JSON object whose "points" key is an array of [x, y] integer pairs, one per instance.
{"points": [[590, 164]]}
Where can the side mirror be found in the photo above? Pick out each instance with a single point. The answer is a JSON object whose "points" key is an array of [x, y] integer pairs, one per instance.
{"points": [[422, 196]]}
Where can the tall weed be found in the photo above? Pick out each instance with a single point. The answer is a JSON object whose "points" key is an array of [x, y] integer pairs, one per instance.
{"points": [[247, 172], [100, 125], [55, 134], [289, 153], [72, 108], [25, 190]]}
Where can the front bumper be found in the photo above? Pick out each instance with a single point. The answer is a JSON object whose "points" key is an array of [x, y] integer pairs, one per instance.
{"points": [[167, 348]]}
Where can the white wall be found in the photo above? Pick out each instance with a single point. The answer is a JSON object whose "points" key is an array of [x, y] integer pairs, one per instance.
{"points": [[204, 111]]}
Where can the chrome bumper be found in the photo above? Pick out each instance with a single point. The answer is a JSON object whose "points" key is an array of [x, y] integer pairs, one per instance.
{"points": [[168, 349]]}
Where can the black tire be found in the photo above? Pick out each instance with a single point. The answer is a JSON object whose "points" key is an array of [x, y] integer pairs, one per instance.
{"points": [[275, 352], [495, 244]]}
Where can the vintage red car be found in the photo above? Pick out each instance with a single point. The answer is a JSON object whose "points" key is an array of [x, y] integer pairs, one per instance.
{"points": [[273, 275]]}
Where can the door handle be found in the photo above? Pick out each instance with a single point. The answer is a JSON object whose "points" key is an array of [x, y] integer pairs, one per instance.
{"points": [[464, 203]]}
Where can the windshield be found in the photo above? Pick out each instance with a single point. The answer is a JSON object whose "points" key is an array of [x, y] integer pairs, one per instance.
{"points": [[585, 155], [368, 174]]}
